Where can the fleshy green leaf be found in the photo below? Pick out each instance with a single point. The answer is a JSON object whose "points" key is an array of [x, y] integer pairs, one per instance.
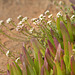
{"points": [[69, 27]]}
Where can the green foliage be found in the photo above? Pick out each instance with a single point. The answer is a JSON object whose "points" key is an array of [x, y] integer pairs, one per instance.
{"points": [[57, 59]]}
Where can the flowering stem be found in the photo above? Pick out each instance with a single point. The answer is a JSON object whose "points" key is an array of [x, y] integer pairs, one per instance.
{"points": [[28, 24], [3, 45], [12, 32], [2, 51], [11, 37], [13, 24]]}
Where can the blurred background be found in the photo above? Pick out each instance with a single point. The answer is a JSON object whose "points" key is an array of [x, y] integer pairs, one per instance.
{"points": [[30, 8]]}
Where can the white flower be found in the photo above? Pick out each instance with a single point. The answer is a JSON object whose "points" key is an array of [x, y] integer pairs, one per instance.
{"points": [[17, 59], [23, 25], [19, 27], [38, 21], [19, 17], [8, 20], [33, 19], [60, 2], [34, 23], [50, 15], [1, 22], [59, 14], [41, 19], [31, 30], [20, 23], [49, 22], [24, 19], [73, 50], [41, 16], [8, 53], [47, 12], [72, 17]]}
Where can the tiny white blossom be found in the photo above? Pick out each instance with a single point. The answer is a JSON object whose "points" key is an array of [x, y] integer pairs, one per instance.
{"points": [[8, 53], [20, 23], [72, 17], [47, 12], [41, 16], [38, 21], [34, 23], [49, 22], [1, 22], [41, 19], [19, 27], [60, 2], [17, 59], [24, 19], [59, 14], [20, 16], [31, 30], [23, 25], [50, 15], [33, 19], [8, 20], [74, 50]]}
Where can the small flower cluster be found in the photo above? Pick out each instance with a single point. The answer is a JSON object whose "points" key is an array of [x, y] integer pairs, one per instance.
{"points": [[72, 17], [31, 30], [21, 23], [8, 53], [9, 20], [1, 22], [59, 14]]}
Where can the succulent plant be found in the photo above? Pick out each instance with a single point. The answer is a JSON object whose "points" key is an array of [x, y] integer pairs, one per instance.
{"points": [[58, 58]]}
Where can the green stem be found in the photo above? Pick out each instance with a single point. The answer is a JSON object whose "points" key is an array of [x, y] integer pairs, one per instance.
{"points": [[13, 24], [15, 39], [28, 24], [12, 32]]}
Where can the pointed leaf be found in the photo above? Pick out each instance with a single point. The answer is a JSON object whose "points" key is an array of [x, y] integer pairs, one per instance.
{"points": [[69, 27], [51, 47]]}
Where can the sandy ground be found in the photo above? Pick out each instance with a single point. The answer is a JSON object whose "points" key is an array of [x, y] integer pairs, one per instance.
{"points": [[13, 8]]}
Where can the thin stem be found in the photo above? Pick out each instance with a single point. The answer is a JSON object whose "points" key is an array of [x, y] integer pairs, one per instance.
{"points": [[11, 37], [12, 32]]}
